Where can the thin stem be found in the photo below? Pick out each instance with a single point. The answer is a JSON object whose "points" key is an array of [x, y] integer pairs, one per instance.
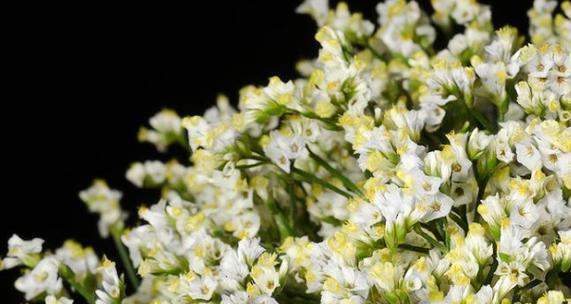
{"points": [[481, 191], [430, 239], [502, 109], [458, 221], [414, 248], [330, 123], [250, 165], [493, 267], [284, 229], [377, 54], [464, 215], [69, 276], [442, 226], [131, 274], [310, 178], [482, 120], [433, 229], [260, 158], [292, 203], [346, 182]]}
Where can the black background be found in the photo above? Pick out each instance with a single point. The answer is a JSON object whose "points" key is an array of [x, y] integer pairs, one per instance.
{"points": [[79, 81]]}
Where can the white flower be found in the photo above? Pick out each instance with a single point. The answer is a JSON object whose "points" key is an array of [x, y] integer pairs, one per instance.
{"points": [[465, 11], [503, 144], [528, 155], [112, 288], [533, 100], [166, 130], [202, 288], [493, 77], [223, 111], [431, 106], [524, 213], [54, 300], [238, 297], [562, 251], [283, 148], [394, 16], [250, 250], [440, 211], [22, 252], [435, 206], [492, 210], [245, 225], [265, 275], [552, 297], [234, 268], [104, 201], [353, 25], [197, 128], [412, 122], [166, 121], [318, 9], [344, 284], [266, 279], [394, 203], [484, 295], [216, 130], [264, 299], [136, 174], [43, 278], [281, 93], [477, 143], [386, 275], [82, 261], [150, 172]]}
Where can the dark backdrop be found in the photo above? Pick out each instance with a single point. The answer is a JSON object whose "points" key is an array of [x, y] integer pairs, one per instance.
{"points": [[81, 80]]}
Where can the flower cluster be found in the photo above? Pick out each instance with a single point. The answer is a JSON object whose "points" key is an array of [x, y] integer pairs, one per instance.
{"points": [[391, 171]]}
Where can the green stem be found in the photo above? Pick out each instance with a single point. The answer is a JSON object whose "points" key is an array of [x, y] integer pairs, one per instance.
{"points": [[430, 239], [458, 221], [502, 110], [482, 120], [330, 124], [346, 182], [69, 276], [375, 53], [260, 158], [414, 248], [433, 229], [281, 221], [250, 165], [301, 295], [493, 267], [481, 191], [131, 274], [292, 203], [476, 115], [464, 215], [442, 226], [310, 178]]}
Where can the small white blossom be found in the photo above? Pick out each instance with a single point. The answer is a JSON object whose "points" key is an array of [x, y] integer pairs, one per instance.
{"points": [[42, 278], [104, 201], [22, 252]]}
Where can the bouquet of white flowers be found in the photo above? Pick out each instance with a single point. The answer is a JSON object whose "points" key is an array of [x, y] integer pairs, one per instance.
{"points": [[390, 172]]}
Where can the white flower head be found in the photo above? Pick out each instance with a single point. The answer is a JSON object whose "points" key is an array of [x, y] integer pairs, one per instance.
{"points": [[112, 287], [22, 252], [43, 278], [104, 201]]}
